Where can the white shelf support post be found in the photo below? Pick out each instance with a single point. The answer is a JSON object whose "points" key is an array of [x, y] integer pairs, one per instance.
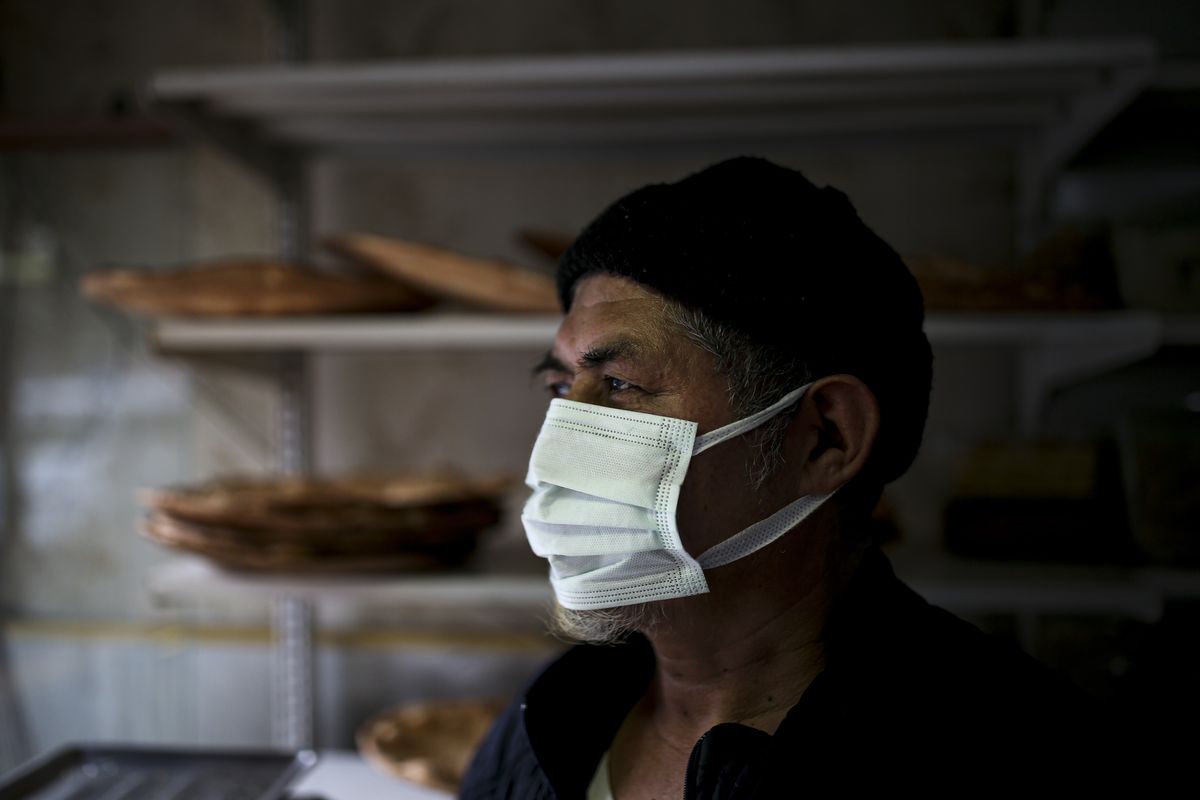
{"points": [[293, 720], [295, 455], [294, 706]]}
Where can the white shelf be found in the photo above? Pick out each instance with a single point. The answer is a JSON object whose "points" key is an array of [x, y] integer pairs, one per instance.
{"points": [[486, 332], [963, 586], [1058, 90], [967, 586], [397, 332], [1055, 349], [192, 581], [1033, 329]]}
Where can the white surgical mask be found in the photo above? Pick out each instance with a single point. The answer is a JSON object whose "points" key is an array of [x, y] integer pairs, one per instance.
{"points": [[605, 486]]}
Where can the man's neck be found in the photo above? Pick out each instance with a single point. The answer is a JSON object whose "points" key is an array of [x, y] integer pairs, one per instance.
{"points": [[728, 656], [751, 675], [740, 656]]}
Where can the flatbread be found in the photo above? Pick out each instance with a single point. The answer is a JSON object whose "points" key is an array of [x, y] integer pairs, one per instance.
{"points": [[411, 528], [313, 504], [445, 273], [395, 522], [247, 287], [352, 554]]}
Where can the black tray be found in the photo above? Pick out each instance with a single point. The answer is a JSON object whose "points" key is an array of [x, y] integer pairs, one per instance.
{"points": [[85, 772]]}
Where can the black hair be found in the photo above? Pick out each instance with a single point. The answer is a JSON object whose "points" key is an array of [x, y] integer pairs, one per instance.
{"points": [[759, 248]]}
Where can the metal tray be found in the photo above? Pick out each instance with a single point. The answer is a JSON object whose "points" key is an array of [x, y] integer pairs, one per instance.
{"points": [[85, 772]]}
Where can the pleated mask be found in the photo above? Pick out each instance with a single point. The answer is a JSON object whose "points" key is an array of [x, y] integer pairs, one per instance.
{"points": [[606, 484]]}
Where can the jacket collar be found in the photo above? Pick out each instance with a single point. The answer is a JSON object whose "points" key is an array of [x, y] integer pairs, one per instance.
{"points": [[573, 710]]}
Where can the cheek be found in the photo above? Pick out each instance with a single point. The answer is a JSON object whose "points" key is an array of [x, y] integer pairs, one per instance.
{"points": [[715, 500]]}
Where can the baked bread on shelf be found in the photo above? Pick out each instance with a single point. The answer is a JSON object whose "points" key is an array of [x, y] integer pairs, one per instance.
{"points": [[247, 287], [428, 743], [420, 521], [480, 282]]}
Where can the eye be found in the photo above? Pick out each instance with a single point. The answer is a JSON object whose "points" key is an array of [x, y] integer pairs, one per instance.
{"points": [[618, 385], [558, 388]]}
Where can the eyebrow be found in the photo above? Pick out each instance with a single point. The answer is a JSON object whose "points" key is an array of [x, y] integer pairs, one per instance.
{"points": [[600, 354], [595, 356], [549, 363]]}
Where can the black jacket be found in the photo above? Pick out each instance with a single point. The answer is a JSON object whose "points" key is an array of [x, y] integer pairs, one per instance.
{"points": [[911, 697]]}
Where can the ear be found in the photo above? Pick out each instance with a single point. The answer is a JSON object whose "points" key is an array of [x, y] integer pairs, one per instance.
{"points": [[833, 432]]}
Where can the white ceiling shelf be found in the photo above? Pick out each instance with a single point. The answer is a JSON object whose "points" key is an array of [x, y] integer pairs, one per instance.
{"points": [[1045, 98], [1058, 91], [496, 331]]}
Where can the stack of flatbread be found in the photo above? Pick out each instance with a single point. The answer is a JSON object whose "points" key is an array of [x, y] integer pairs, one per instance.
{"points": [[397, 523], [247, 287], [387, 275], [428, 743]]}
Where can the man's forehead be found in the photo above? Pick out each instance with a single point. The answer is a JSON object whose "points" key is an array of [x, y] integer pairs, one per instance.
{"points": [[601, 289], [606, 308]]}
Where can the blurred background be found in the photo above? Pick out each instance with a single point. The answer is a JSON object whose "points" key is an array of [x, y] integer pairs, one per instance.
{"points": [[1035, 161]]}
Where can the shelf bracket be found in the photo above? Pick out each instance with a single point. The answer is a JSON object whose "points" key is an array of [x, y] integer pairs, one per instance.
{"points": [[1041, 161], [1047, 366]]}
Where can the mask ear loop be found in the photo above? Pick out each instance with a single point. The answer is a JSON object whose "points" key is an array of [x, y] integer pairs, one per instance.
{"points": [[738, 427], [763, 532]]}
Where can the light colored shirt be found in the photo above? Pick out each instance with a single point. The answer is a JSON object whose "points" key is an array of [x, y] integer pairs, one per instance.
{"points": [[599, 788]]}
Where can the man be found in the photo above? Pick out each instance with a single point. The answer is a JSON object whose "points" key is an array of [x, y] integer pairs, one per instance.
{"points": [[740, 371]]}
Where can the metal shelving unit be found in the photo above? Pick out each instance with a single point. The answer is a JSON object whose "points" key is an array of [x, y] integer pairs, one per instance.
{"points": [[1042, 98]]}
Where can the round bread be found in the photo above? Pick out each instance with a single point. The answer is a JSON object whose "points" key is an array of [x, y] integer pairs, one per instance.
{"points": [[428, 743]]}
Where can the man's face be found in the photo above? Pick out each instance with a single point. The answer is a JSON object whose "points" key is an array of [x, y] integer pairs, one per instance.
{"points": [[615, 349]]}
